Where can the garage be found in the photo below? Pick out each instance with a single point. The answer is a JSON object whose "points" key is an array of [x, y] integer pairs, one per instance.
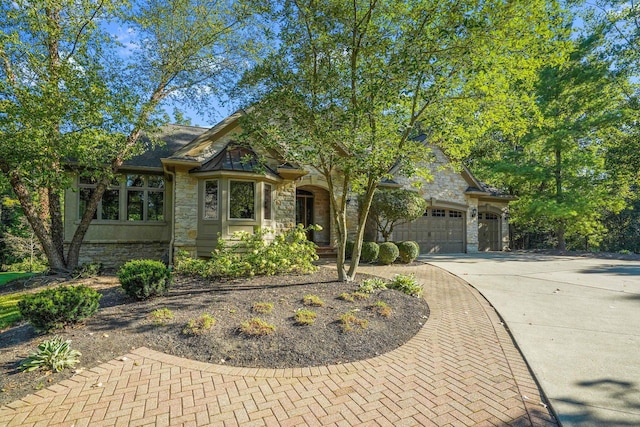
{"points": [[489, 232], [437, 231]]}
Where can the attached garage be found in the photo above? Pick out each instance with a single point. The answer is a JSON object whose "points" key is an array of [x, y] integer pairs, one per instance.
{"points": [[489, 232], [437, 231]]}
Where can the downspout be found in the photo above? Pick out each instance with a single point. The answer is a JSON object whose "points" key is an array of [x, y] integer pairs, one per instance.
{"points": [[173, 218]]}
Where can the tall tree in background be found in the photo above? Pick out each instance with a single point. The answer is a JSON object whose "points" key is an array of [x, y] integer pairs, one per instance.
{"points": [[350, 82], [560, 169], [69, 91]]}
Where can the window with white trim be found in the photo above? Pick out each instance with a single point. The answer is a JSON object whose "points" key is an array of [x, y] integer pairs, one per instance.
{"points": [[242, 200], [211, 199]]}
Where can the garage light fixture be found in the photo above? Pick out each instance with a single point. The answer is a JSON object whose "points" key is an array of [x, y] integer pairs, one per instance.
{"points": [[474, 212]]}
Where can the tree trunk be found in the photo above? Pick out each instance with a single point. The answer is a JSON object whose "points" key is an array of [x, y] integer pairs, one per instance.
{"points": [[362, 223]]}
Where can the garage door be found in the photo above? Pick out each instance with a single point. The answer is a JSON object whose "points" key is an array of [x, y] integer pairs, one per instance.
{"points": [[437, 231], [488, 232]]}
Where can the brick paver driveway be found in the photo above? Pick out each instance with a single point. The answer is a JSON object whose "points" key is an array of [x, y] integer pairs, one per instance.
{"points": [[461, 369]]}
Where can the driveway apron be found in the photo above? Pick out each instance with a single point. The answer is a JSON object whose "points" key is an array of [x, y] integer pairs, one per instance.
{"points": [[461, 369], [577, 322]]}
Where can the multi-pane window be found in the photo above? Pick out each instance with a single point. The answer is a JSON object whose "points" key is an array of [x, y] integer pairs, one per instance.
{"points": [[455, 214], [211, 199], [267, 201], [108, 207], [144, 198], [438, 212], [242, 200]]}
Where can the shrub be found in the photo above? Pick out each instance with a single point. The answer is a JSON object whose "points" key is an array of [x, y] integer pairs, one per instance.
{"points": [[349, 320], [348, 250], [184, 264], [406, 284], [257, 327], [305, 317], [58, 307], [200, 325], [369, 286], [145, 278], [388, 252], [409, 251], [161, 316], [381, 308], [52, 355], [370, 251], [312, 300], [37, 266], [262, 307], [88, 270]]}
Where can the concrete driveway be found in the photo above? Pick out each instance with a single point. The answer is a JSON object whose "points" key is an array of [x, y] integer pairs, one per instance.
{"points": [[577, 322]]}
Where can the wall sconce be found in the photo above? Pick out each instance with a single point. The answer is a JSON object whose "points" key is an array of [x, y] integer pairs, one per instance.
{"points": [[474, 212]]}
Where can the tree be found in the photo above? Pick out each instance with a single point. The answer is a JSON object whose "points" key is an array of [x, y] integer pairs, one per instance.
{"points": [[349, 83], [71, 92], [394, 207], [560, 169]]}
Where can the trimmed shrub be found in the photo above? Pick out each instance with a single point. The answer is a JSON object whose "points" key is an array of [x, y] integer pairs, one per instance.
{"points": [[58, 307], [370, 251], [144, 278], [388, 252], [348, 249], [409, 251], [369, 286]]}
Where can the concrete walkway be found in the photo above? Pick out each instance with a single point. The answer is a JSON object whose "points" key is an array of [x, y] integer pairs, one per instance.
{"points": [[577, 322], [461, 369]]}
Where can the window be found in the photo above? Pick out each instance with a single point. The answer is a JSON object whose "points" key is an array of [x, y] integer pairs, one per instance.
{"points": [[108, 207], [144, 198], [455, 214], [438, 212], [241, 200], [267, 201], [211, 200]]}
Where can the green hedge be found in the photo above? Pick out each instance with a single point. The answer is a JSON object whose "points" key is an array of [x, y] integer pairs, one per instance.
{"points": [[145, 278]]}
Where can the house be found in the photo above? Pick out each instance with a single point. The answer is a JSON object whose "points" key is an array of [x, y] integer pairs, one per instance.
{"points": [[202, 184]]}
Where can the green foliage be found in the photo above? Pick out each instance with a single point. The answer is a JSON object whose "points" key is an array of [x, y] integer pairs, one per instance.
{"points": [[257, 327], [305, 317], [312, 300], [58, 307], [369, 286], [370, 251], [381, 308], [349, 321], [145, 278], [393, 207], [200, 325], [262, 307], [161, 316], [54, 354], [88, 270], [408, 251], [406, 284], [388, 253], [346, 296], [257, 254], [27, 265]]}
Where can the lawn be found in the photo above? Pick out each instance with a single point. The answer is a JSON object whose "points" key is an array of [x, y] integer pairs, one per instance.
{"points": [[9, 313]]}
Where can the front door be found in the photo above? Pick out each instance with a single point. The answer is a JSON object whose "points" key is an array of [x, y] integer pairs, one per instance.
{"points": [[304, 210]]}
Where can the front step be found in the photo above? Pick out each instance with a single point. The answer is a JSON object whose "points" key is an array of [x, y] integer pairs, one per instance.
{"points": [[326, 252]]}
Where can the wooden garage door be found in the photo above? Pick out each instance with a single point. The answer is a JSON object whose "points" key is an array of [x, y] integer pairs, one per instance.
{"points": [[437, 231], [488, 232]]}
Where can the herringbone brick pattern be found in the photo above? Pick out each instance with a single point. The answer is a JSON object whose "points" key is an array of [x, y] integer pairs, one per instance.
{"points": [[461, 369]]}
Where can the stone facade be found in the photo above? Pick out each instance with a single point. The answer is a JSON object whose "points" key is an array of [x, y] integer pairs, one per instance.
{"points": [[113, 255], [285, 206], [186, 212]]}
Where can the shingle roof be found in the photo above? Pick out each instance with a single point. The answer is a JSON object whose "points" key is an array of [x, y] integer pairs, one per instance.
{"points": [[172, 138]]}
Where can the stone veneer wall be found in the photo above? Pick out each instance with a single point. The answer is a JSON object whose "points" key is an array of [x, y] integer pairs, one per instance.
{"points": [[114, 255], [285, 206], [186, 212]]}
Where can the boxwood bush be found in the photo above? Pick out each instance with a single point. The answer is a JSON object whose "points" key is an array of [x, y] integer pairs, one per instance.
{"points": [[58, 307], [370, 251], [145, 278], [388, 253], [409, 251]]}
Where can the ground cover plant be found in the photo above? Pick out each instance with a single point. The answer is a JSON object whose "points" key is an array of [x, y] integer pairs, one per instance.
{"points": [[123, 323]]}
